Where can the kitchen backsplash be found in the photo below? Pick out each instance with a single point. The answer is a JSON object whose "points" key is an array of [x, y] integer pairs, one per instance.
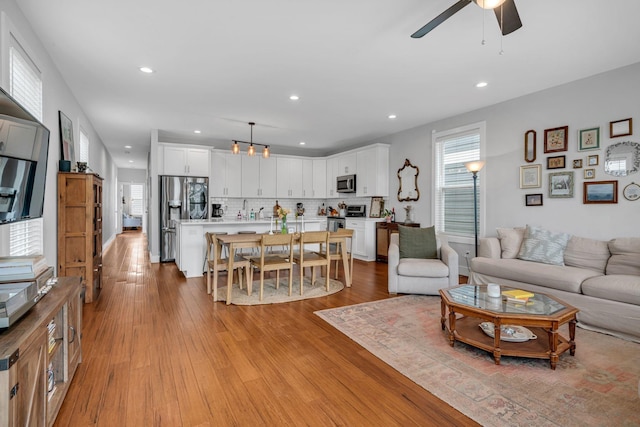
{"points": [[231, 206]]}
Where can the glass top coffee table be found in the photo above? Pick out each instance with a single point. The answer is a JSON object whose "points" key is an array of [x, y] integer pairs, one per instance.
{"points": [[527, 329]]}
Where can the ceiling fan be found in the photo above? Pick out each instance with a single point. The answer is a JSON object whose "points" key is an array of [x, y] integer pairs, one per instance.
{"points": [[505, 10]]}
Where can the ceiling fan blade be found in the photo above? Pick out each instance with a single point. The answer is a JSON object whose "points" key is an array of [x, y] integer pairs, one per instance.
{"points": [[508, 18], [440, 18]]}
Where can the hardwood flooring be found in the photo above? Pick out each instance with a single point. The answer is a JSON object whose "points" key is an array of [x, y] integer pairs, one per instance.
{"points": [[158, 352]]}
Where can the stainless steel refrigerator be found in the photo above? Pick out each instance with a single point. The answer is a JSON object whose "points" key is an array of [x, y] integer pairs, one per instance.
{"points": [[181, 197]]}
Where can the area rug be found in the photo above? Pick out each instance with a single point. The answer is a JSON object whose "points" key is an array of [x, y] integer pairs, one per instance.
{"points": [[596, 387], [271, 295]]}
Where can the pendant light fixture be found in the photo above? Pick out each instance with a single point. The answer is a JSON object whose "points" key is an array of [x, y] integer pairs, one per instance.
{"points": [[489, 4], [251, 151]]}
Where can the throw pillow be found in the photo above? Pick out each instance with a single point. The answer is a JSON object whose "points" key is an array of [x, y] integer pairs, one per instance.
{"points": [[510, 241], [544, 246], [418, 242]]}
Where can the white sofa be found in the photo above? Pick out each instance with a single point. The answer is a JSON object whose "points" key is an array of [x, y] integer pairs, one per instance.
{"points": [[600, 278], [421, 276]]}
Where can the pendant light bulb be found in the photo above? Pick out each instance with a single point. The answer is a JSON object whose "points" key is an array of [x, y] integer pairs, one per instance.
{"points": [[489, 4], [251, 151], [265, 152], [235, 148]]}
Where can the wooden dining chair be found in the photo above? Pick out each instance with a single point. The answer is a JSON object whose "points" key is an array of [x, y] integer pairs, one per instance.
{"points": [[344, 236], [216, 263], [308, 256], [267, 261]]}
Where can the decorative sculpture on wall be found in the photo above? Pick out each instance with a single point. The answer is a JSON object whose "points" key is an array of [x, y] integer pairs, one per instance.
{"points": [[408, 176]]}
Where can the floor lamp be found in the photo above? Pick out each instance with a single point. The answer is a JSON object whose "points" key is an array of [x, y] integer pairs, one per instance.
{"points": [[474, 168]]}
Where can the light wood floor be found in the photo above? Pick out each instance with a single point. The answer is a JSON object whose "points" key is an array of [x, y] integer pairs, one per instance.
{"points": [[158, 352]]}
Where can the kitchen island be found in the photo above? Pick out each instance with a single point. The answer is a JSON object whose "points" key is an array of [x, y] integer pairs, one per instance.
{"points": [[191, 249]]}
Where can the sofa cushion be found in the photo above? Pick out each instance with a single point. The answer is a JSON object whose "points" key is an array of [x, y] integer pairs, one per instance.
{"points": [[417, 242], [544, 246], [417, 267], [587, 253], [614, 287], [510, 241], [559, 277], [625, 256]]}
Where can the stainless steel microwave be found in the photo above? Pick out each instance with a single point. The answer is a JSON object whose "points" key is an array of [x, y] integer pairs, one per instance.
{"points": [[346, 184]]}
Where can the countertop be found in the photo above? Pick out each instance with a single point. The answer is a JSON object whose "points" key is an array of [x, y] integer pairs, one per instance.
{"points": [[233, 221]]}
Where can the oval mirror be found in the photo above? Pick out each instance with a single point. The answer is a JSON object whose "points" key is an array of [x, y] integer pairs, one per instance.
{"points": [[408, 176], [622, 158], [530, 146]]}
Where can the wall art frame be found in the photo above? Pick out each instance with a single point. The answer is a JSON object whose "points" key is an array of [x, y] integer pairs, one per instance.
{"points": [[631, 192], [590, 173], [556, 162], [589, 139], [530, 146], [530, 176], [577, 164], [66, 138], [377, 206], [600, 192], [593, 160], [561, 185], [408, 182], [622, 127], [556, 139], [533, 199]]}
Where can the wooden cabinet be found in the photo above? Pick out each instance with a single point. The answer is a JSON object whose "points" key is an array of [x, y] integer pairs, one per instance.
{"points": [[226, 175], [36, 365], [80, 230], [373, 171], [258, 177], [185, 161], [383, 237]]}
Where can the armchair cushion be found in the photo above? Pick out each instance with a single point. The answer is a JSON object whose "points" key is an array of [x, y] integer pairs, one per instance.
{"points": [[416, 267], [418, 242]]}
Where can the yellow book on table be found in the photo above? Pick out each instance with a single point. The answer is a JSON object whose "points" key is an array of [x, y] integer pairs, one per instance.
{"points": [[517, 294]]}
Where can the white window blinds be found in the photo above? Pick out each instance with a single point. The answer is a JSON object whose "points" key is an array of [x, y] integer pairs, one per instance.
{"points": [[25, 85], [454, 209], [84, 147]]}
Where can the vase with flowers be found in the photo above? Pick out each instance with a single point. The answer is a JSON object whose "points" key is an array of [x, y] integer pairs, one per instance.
{"points": [[282, 214]]}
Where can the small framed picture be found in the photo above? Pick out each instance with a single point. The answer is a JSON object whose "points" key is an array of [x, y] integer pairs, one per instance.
{"points": [[533, 199], [577, 164], [556, 139], [593, 160], [560, 185], [530, 176], [556, 162], [600, 192], [377, 206], [631, 192], [589, 174], [589, 139], [622, 127]]}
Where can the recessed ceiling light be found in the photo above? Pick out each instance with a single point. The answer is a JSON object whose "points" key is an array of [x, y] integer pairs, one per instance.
{"points": [[392, 116], [197, 131], [130, 161], [294, 97], [127, 146], [482, 84], [302, 142], [146, 70]]}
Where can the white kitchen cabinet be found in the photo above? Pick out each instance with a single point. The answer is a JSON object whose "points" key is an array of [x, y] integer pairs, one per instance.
{"points": [[347, 164], [226, 175], [259, 176], [289, 177], [319, 177], [185, 161], [307, 178], [373, 171], [332, 173], [364, 238]]}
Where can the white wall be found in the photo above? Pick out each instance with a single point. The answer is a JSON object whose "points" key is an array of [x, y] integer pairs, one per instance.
{"points": [[582, 104], [58, 96]]}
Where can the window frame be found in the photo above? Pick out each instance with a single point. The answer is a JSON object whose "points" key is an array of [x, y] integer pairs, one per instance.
{"points": [[480, 128]]}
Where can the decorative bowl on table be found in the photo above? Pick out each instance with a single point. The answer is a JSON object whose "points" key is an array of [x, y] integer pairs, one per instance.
{"points": [[511, 333]]}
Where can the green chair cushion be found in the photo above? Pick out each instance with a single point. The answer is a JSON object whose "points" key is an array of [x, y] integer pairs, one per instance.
{"points": [[418, 242]]}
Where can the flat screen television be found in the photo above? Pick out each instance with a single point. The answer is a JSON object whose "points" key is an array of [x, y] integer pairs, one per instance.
{"points": [[24, 151]]}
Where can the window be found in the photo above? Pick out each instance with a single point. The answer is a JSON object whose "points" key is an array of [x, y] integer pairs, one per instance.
{"points": [[84, 147], [136, 200], [25, 85], [454, 209]]}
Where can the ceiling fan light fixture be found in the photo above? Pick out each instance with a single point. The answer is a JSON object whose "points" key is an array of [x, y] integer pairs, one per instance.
{"points": [[489, 4]]}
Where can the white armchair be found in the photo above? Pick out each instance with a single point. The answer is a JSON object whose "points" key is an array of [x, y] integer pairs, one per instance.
{"points": [[421, 276]]}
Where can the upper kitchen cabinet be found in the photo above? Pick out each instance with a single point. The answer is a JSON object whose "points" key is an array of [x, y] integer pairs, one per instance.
{"points": [[184, 160], [347, 164], [259, 176], [332, 173], [314, 178], [225, 179], [373, 171], [289, 177]]}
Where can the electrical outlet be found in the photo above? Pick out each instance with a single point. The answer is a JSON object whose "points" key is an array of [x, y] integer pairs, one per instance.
{"points": [[467, 253]]}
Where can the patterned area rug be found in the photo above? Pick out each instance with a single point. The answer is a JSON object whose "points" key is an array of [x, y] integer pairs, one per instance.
{"points": [[280, 295], [597, 387]]}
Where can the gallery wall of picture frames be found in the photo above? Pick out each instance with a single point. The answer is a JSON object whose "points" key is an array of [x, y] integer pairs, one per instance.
{"points": [[596, 157]]}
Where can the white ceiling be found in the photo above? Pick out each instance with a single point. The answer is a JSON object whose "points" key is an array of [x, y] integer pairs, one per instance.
{"points": [[220, 64]]}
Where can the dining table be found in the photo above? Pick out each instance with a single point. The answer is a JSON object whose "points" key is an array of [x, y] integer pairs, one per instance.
{"points": [[245, 240]]}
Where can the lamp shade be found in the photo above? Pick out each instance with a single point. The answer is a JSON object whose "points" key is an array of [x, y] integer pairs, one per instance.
{"points": [[474, 166], [489, 4]]}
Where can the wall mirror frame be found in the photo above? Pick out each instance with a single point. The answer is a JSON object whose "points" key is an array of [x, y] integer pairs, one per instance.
{"points": [[408, 176], [622, 158], [530, 146]]}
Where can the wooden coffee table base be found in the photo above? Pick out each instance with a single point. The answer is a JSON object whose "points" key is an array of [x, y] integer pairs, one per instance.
{"points": [[466, 329]]}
